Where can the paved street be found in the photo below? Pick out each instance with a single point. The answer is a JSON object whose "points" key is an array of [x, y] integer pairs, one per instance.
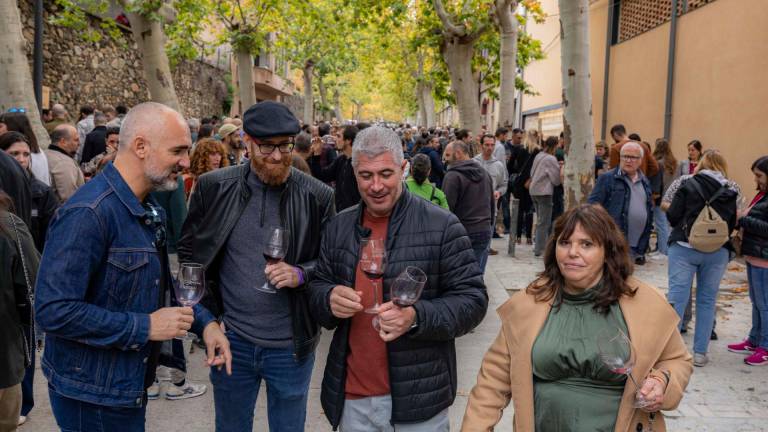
{"points": [[726, 395]]}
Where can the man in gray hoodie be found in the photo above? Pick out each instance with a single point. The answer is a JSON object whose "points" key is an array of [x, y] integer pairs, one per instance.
{"points": [[469, 191]]}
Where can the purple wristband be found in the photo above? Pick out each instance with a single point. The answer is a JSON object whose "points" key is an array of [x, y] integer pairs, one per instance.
{"points": [[300, 274]]}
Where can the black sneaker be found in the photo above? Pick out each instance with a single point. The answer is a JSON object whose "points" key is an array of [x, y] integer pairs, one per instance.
{"points": [[640, 260], [713, 336]]}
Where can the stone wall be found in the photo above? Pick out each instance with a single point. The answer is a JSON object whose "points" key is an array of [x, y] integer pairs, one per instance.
{"points": [[110, 72]]}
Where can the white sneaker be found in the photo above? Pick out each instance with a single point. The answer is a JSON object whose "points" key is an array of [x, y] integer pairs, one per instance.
{"points": [[22, 420], [700, 360], [153, 392], [188, 390]]}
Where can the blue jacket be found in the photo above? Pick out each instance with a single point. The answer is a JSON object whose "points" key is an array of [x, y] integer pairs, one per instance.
{"points": [[438, 171], [612, 192], [99, 280]]}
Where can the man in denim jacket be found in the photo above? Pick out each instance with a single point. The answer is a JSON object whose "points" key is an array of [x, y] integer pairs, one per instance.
{"points": [[102, 279]]}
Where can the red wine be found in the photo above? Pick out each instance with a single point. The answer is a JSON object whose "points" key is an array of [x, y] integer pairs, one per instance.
{"points": [[402, 303], [272, 259], [375, 274]]}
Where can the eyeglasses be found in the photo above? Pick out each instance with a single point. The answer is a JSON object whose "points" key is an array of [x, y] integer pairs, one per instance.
{"points": [[17, 110], [283, 147], [629, 158]]}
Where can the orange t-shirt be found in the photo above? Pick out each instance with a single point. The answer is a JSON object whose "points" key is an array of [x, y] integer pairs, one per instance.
{"points": [[367, 365]]}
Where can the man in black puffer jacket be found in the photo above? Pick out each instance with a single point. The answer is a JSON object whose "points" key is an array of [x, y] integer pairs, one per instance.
{"points": [[406, 372]]}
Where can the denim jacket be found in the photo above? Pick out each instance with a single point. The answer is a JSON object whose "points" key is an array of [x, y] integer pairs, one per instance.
{"points": [[612, 192], [99, 280]]}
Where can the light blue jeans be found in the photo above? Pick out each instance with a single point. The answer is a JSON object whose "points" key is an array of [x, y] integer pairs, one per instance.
{"points": [[662, 229], [758, 293], [709, 268]]}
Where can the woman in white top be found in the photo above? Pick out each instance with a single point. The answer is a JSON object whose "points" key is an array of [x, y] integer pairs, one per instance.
{"points": [[18, 122], [545, 175]]}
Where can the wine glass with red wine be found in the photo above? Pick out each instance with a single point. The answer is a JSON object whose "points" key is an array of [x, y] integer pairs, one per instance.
{"points": [[373, 261], [274, 251], [616, 352], [406, 289]]}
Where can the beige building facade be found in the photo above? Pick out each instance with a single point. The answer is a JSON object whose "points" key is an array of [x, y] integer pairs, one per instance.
{"points": [[718, 91]]}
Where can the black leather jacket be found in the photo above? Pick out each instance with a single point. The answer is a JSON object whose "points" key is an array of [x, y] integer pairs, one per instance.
{"points": [[422, 362], [217, 203], [755, 226]]}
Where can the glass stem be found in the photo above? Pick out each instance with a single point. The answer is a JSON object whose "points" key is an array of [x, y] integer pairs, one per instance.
{"points": [[376, 293], [637, 387]]}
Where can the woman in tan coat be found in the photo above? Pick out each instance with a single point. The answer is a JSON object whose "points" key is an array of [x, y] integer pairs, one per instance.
{"points": [[546, 357]]}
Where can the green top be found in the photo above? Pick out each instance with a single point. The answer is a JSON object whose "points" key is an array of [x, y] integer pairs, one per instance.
{"points": [[573, 390], [428, 191]]}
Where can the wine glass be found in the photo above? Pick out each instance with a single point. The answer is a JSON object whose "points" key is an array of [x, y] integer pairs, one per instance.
{"points": [[373, 261], [405, 290], [274, 251], [617, 352], [190, 285]]}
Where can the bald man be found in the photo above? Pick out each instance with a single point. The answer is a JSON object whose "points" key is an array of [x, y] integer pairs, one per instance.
{"points": [[66, 176], [104, 277], [60, 116]]}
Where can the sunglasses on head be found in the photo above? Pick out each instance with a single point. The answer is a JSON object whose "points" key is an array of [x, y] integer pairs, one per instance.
{"points": [[17, 110]]}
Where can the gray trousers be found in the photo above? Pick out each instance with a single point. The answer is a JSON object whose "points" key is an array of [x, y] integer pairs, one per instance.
{"points": [[10, 407], [543, 205], [372, 414]]}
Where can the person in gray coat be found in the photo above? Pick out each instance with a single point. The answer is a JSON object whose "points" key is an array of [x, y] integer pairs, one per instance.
{"points": [[545, 175]]}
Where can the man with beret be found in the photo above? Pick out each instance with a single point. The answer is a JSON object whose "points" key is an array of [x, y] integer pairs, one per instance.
{"points": [[272, 336]]}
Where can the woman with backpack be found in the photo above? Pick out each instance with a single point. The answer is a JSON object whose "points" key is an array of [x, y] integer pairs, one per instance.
{"points": [[702, 214], [754, 247], [418, 183]]}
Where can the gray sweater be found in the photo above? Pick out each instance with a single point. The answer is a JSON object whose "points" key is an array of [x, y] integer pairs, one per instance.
{"points": [[497, 170], [545, 174]]}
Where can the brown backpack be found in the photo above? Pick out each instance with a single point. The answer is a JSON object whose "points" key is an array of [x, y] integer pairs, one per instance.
{"points": [[709, 232]]}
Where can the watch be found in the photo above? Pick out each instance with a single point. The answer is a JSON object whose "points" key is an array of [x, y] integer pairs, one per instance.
{"points": [[415, 320]]}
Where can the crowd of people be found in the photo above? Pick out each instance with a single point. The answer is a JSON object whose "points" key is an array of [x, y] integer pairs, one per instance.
{"points": [[91, 229]]}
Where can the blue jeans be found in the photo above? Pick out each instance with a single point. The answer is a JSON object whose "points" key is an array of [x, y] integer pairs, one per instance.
{"points": [[76, 416], [662, 230], [287, 387], [758, 293], [709, 268], [481, 242], [27, 386]]}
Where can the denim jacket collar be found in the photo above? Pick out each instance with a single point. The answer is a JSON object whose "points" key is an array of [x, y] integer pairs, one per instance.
{"points": [[123, 191]]}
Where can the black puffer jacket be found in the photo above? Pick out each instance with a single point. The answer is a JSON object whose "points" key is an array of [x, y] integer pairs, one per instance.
{"points": [[755, 226], [220, 197], [422, 363], [687, 205]]}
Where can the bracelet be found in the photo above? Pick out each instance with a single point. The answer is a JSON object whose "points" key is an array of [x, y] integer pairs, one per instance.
{"points": [[300, 275]]}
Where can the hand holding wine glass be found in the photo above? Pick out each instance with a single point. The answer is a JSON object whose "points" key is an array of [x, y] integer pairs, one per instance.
{"points": [[274, 251], [190, 285], [405, 291], [618, 354]]}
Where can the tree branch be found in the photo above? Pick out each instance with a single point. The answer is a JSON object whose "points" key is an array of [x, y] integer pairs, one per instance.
{"points": [[475, 35], [457, 30]]}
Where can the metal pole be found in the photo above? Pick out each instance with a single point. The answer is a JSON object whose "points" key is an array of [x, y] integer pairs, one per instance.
{"points": [[514, 208], [670, 71], [37, 64], [607, 67]]}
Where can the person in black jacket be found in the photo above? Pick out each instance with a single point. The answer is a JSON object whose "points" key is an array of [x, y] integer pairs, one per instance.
{"points": [[96, 140], [709, 184], [340, 171], [431, 149], [231, 213], [754, 247], [406, 372], [15, 182], [17, 277]]}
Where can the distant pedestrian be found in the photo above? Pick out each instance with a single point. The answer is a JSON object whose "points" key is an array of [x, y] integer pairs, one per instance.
{"points": [[418, 182], [660, 183], [545, 175]]}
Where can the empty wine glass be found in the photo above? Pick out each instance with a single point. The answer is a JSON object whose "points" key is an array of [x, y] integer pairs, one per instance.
{"points": [[274, 251], [617, 352], [190, 284], [405, 290], [373, 261]]}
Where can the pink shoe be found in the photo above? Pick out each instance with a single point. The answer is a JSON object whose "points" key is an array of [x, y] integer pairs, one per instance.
{"points": [[759, 358], [742, 347]]}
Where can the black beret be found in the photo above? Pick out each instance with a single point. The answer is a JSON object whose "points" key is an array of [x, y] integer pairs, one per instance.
{"points": [[268, 119]]}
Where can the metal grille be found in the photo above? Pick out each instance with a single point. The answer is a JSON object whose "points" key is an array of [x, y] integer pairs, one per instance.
{"points": [[639, 16]]}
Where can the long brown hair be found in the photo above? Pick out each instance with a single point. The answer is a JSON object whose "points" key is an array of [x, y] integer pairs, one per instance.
{"points": [[601, 228], [199, 163], [663, 151]]}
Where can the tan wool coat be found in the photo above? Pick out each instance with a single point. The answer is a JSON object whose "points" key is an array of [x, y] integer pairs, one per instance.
{"points": [[506, 372]]}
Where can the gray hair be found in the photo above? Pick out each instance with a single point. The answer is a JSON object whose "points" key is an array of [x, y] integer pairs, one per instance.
{"points": [[145, 116], [194, 124], [59, 111], [635, 145], [99, 118], [375, 140], [302, 142]]}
